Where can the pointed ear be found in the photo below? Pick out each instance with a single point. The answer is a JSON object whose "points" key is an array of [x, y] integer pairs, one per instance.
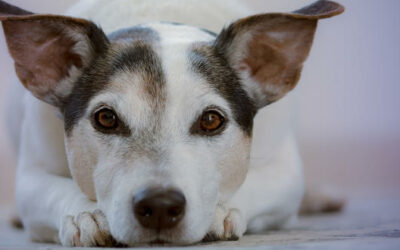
{"points": [[49, 51], [269, 50]]}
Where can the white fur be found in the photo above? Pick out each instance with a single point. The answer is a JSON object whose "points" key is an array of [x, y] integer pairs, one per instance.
{"points": [[48, 199]]}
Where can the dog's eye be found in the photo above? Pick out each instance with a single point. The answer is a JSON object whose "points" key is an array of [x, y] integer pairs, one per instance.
{"points": [[106, 119], [210, 123]]}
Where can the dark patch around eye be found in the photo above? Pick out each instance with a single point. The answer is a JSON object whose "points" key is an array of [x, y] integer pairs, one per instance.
{"points": [[139, 57], [212, 65], [94, 79]]}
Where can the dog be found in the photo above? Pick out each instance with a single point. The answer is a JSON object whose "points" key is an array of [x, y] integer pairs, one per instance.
{"points": [[144, 135]]}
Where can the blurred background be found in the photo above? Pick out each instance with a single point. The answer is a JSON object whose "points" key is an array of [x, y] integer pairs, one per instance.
{"points": [[348, 118]]}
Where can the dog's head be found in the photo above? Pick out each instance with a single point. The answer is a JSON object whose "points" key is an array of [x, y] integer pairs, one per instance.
{"points": [[158, 118]]}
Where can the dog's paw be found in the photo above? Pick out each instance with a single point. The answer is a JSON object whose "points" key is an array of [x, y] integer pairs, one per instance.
{"points": [[228, 224], [85, 230]]}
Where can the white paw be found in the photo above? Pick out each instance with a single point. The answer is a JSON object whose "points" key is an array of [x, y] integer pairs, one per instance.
{"points": [[228, 224], [85, 230]]}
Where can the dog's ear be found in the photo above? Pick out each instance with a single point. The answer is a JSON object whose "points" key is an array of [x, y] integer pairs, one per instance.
{"points": [[50, 51], [268, 50]]}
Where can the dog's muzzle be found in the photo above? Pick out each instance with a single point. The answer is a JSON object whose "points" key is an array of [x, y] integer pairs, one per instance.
{"points": [[159, 208]]}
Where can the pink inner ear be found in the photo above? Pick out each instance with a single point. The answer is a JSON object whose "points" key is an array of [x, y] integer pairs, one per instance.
{"points": [[276, 52], [263, 59], [269, 66], [43, 54]]}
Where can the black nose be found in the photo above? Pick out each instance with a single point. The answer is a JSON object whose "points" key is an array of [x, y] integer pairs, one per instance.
{"points": [[159, 208]]}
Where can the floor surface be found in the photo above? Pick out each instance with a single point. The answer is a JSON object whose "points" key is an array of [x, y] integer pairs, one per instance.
{"points": [[364, 224]]}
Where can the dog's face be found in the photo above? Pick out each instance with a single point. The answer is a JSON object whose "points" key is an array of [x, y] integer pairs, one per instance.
{"points": [[158, 118]]}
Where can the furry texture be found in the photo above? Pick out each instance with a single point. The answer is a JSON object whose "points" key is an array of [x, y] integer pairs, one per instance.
{"points": [[228, 189]]}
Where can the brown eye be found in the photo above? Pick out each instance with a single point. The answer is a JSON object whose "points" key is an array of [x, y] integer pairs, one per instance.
{"points": [[211, 121], [106, 118]]}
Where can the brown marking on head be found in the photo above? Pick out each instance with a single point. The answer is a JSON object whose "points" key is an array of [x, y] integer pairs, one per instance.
{"points": [[139, 56], [273, 47]]}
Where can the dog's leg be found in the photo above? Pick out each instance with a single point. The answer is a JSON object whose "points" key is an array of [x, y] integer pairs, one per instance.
{"points": [[50, 203], [269, 197], [54, 209]]}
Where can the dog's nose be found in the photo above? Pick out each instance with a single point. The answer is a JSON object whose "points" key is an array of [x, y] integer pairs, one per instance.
{"points": [[159, 208]]}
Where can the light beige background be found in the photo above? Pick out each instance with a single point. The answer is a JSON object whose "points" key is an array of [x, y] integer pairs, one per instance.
{"points": [[348, 114]]}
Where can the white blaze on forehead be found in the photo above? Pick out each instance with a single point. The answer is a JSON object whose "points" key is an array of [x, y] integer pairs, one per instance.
{"points": [[185, 90]]}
